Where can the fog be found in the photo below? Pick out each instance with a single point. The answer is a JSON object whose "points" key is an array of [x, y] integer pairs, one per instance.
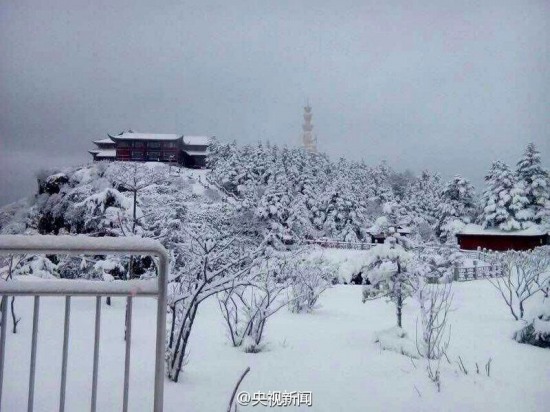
{"points": [[447, 86]]}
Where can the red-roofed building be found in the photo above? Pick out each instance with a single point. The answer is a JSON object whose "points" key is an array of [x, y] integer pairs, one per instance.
{"points": [[474, 237], [189, 151]]}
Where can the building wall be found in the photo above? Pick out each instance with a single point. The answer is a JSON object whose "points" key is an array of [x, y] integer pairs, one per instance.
{"points": [[500, 242], [193, 161], [142, 151]]}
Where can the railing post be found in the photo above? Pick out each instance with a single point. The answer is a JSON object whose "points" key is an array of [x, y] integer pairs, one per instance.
{"points": [[32, 373], [127, 353], [95, 369], [455, 272], [4, 310], [72, 245], [65, 355], [162, 302]]}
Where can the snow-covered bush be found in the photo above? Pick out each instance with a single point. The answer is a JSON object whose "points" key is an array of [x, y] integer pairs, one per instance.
{"points": [[215, 262], [396, 340], [537, 331], [437, 265], [107, 213], [39, 266], [309, 280], [524, 275], [434, 335], [247, 308], [389, 273]]}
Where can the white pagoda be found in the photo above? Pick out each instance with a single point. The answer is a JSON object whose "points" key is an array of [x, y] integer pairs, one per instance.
{"points": [[309, 141]]}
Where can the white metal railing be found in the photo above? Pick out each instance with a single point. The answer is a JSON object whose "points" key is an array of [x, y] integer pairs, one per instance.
{"points": [[79, 245]]}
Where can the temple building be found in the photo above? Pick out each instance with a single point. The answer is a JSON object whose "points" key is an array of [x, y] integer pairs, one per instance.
{"points": [[106, 150], [189, 151], [475, 237]]}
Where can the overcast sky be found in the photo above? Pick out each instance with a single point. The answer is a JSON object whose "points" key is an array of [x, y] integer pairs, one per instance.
{"points": [[444, 85]]}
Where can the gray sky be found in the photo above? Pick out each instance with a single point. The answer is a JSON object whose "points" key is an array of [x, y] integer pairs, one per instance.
{"points": [[444, 85]]}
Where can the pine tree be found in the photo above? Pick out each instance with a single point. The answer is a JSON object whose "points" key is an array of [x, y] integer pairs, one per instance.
{"points": [[536, 183], [422, 198], [504, 200], [342, 215], [456, 208]]}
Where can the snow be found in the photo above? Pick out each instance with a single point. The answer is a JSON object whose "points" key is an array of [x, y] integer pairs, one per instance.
{"points": [[196, 152], [32, 284], [77, 244], [330, 352], [396, 340], [472, 229], [346, 262], [104, 141], [104, 153], [197, 140], [147, 136]]}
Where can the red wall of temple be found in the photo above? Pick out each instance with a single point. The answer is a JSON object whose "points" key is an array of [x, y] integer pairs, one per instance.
{"points": [[500, 242]]}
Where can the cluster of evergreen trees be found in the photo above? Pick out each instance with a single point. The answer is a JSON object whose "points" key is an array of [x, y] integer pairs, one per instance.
{"points": [[517, 199], [302, 195], [289, 194]]}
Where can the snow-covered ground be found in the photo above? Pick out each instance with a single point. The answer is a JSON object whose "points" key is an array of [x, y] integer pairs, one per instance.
{"points": [[329, 352]]}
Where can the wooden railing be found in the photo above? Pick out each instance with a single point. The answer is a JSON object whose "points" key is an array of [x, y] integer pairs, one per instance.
{"points": [[477, 271], [337, 244]]}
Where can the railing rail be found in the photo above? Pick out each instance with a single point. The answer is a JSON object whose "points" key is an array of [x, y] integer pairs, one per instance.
{"points": [[80, 245], [477, 272], [338, 244]]}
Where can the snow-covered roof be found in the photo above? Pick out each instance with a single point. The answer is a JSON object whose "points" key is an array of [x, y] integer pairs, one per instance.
{"points": [[196, 152], [104, 141], [472, 229], [197, 140], [103, 153], [146, 136], [376, 230]]}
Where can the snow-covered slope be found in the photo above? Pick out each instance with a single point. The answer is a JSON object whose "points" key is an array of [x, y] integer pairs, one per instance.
{"points": [[329, 352]]}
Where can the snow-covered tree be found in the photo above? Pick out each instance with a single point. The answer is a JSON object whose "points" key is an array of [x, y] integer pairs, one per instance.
{"points": [[536, 183], [341, 214], [435, 304], [457, 206], [216, 261], [309, 280], [388, 273], [247, 308], [504, 200], [524, 276], [537, 331]]}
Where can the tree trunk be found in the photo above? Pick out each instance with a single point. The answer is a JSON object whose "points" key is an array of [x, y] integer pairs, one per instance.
{"points": [[181, 346], [14, 317], [399, 294], [134, 213], [399, 306], [521, 310]]}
